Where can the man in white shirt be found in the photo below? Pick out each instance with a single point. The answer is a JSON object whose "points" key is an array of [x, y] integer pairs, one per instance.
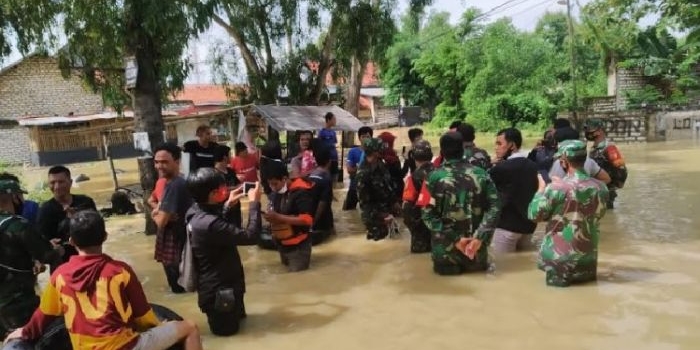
{"points": [[590, 166]]}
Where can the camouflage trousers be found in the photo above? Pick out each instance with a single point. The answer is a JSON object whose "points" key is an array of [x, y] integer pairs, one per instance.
{"points": [[455, 262], [566, 273], [373, 219], [18, 311], [420, 234]]}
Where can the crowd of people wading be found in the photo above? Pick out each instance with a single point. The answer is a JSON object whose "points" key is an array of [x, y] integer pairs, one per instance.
{"points": [[456, 204]]}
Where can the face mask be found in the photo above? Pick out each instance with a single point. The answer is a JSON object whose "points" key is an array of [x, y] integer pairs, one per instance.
{"points": [[590, 135], [283, 190], [221, 194]]}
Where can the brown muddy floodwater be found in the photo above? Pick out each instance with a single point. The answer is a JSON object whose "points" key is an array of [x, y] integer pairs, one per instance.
{"points": [[375, 295]]}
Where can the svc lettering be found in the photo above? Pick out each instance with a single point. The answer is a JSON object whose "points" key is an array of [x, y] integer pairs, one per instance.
{"points": [[105, 291]]}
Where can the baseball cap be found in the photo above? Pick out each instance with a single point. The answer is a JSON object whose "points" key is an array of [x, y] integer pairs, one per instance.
{"points": [[10, 187]]}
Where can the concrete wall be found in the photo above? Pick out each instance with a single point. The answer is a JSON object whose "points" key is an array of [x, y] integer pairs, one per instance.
{"points": [[14, 144], [628, 80], [35, 87], [628, 126], [678, 125]]}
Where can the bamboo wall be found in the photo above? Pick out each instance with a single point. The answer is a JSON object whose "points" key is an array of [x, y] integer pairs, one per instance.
{"points": [[50, 138]]}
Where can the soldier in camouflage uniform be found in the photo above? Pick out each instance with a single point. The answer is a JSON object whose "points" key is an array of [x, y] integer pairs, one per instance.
{"points": [[608, 157], [462, 212], [474, 155], [414, 200], [376, 191], [20, 246], [572, 207]]}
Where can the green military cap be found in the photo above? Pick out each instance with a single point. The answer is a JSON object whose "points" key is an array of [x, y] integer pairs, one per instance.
{"points": [[593, 124], [373, 145], [10, 187], [571, 148], [422, 150]]}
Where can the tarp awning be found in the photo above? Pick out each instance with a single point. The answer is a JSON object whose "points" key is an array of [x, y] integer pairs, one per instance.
{"points": [[293, 118]]}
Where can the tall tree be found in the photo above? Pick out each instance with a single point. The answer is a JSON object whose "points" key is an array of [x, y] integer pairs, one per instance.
{"points": [[260, 31], [448, 60], [611, 26], [24, 23], [367, 31], [399, 77], [102, 33]]}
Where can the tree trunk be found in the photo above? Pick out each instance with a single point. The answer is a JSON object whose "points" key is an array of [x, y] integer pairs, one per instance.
{"points": [[147, 118], [325, 63], [352, 101]]}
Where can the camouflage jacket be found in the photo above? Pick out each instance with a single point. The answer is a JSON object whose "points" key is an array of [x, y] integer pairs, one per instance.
{"points": [[375, 186], [572, 208], [464, 203], [477, 157], [610, 159], [473, 155], [20, 245]]}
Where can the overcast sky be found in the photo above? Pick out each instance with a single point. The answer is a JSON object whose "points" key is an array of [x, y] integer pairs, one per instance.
{"points": [[524, 14]]}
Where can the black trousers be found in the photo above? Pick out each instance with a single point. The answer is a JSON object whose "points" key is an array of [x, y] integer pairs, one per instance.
{"points": [[227, 323], [18, 312], [172, 273], [351, 198]]}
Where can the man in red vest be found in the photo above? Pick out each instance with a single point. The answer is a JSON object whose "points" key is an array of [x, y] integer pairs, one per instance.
{"points": [[416, 196]]}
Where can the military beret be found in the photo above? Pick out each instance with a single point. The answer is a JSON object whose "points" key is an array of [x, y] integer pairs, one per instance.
{"points": [[373, 145], [593, 124], [422, 150]]}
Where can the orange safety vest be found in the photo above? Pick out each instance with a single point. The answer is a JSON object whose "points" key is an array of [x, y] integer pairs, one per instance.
{"points": [[410, 194]]}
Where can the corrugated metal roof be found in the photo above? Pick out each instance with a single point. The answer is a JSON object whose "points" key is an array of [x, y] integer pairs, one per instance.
{"points": [[294, 118], [36, 121]]}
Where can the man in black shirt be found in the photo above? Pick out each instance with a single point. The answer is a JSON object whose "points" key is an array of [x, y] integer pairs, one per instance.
{"points": [[54, 214], [409, 164], [170, 214], [231, 213], [322, 193], [515, 177], [201, 151]]}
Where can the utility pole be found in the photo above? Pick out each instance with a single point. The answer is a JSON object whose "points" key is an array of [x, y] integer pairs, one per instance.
{"points": [[572, 52]]}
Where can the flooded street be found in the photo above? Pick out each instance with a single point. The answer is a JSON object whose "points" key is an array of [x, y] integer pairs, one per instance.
{"points": [[375, 295]]}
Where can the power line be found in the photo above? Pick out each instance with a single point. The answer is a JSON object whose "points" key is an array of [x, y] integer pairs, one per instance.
{"points": [[496, 10], [531, 7], [491, 11], [507, 8]]}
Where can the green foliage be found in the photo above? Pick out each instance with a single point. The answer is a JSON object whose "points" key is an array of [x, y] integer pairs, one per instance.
{"points": [[553, 28], [491, 75], [649, 95], [40, 193], [495, 75], [399, 75], [102, 33], [446, 114], [25, 22]]}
